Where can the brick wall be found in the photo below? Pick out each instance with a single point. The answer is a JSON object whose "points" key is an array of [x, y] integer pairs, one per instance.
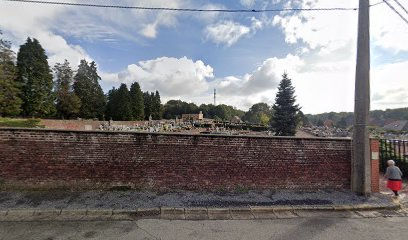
{"points": [[57, 158]]}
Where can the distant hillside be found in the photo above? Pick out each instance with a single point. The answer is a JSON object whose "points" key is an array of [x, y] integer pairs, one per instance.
{"points": [[378, 118]]}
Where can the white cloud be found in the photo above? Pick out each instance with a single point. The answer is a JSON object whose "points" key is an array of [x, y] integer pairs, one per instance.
{"points": [[35, 21], [229, 32], [209, 17], [389, 89], [264, 78], [173, 77], [247, 3], [389, 32], [226, 32], [326, 29]]}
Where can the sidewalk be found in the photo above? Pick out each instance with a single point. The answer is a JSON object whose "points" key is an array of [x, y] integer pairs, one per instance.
{"points": [[133, 205]]}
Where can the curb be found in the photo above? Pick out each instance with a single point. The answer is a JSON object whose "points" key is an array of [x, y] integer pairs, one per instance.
{"points": [[191, 213]]}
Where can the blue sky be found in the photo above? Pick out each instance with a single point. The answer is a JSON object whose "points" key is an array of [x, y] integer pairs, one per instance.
{"points": [[186, 55]]}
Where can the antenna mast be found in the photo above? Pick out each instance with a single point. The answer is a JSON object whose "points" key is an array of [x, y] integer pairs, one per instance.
{"points": [[215, 97]]}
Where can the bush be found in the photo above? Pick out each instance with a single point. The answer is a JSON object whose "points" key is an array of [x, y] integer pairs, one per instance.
{"points": [[20, 123]]}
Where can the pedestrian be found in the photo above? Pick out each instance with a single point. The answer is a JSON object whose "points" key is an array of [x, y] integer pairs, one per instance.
{"points": [[394, 175]]}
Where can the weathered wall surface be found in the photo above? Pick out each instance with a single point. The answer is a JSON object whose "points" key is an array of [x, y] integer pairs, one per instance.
{"points": [[82, 124], [52, 158]]}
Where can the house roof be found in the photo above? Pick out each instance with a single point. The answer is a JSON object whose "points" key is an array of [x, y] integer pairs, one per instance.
{"points": [[400, 125]]}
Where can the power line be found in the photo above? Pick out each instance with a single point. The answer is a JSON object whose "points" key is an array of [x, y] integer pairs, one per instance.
{"points": [[403, 8], [185, 9], [375, 4], [395, 10]]}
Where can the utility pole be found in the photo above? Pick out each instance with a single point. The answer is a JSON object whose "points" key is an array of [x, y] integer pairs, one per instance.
{"points": [[361, 160]]}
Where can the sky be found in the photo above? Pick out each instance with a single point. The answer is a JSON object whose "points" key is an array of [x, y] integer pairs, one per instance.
{"points": [[185, 55]]}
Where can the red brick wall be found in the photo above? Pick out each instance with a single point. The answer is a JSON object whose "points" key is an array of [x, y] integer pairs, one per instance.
{"points": [[375, 165], [36, 158]]}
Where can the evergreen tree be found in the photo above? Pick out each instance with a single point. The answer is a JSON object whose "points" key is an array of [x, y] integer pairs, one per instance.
{"points": [[87, 88], [147, 105], [284, 120], [34, 75], [137, 103], [68, 103], [10, 102], [111, 104], [157, 107], [123, 108]]}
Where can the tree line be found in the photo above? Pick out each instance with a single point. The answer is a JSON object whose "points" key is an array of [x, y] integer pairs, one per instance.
{"points": [[344, 120], [30, 88]]}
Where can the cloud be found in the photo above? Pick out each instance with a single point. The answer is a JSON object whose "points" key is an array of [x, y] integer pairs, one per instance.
{"points": [[173, 77], [390, 33], [327, 30], [393, 92], [264, 78], [35, 21], [247, 3], [226, 32], [229, 32]]}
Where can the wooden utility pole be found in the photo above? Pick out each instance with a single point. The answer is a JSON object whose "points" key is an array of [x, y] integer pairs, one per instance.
{"points": [[361, 162]]}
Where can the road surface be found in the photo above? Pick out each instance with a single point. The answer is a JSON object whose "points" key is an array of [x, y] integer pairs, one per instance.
{"points": [[286, 229]]}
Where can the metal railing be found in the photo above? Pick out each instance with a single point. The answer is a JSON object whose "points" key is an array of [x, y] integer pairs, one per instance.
{"points": [[396, 150]]}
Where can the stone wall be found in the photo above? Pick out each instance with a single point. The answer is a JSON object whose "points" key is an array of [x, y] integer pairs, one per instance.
{"points": [[86, 159]]}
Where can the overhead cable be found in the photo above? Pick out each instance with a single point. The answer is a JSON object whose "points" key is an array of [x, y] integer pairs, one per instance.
{"points": [[395, 10], [401, 6], [185, 9]]}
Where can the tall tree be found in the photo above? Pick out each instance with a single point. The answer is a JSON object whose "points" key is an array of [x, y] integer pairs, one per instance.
{"points": [[259, 113], [68, 103], [147, 99], [157, 107], [285, 110], [136, 101], [34, 75], [10, 102], [176, 108], [87, 88], [111, 104], [121, 101]]}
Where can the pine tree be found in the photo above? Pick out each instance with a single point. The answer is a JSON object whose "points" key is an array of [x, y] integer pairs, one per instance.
{"points": [[87, 88], [123, 107], [10, 102], [147, 105], [68, 103], [34, 75], [111, 104], [157, 107], [137, 103], [285, 110]]}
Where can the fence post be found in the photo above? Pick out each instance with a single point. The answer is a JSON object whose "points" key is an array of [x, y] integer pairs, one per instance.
{"points": [[375, 165]]}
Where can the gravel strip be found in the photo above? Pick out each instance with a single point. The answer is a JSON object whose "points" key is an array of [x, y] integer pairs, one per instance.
{"points": [[137, 199]]}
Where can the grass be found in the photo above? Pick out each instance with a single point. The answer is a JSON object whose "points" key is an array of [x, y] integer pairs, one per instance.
{"points": [[20, 123]]}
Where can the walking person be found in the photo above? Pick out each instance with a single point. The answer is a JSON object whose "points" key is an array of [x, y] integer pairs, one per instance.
{"points": [[394, 175]]}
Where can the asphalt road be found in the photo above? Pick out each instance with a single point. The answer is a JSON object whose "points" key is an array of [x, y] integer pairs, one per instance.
{"points": [[286, 229]]}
